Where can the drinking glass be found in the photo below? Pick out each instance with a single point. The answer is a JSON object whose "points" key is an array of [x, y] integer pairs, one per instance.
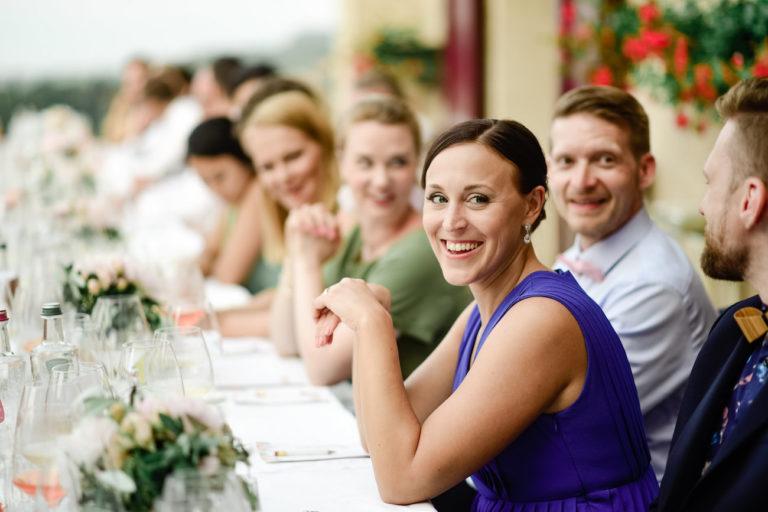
{"points": [[149, 366], [13, 373], [118, 319], [199, 314], [36, 471], [89, 378], [194, 360]]}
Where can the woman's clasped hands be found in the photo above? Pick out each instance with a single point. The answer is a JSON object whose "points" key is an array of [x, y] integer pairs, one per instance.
{"points": [[313, 231], [350, 302]]}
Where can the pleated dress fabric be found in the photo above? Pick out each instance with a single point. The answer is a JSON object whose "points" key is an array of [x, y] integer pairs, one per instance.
{"points": [[592, 456]]}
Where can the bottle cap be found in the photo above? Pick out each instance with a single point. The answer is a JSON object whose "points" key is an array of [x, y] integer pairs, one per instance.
{"points": [[51, 309], [3, 315]]}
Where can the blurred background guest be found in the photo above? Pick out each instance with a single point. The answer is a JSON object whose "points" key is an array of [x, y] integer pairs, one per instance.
{"points": [[245, 84], [233, 249], [116, 125], [210, 86], [290, 141]]}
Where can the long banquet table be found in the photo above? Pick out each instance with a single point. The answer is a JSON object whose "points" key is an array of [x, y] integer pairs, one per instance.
{"points": [[253, 378]]}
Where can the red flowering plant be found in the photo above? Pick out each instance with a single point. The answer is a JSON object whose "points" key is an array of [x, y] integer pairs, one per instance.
{"points": [[686, 54]]}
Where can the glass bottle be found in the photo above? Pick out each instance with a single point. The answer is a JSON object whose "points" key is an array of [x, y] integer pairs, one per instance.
{"points": [[54, 349]]}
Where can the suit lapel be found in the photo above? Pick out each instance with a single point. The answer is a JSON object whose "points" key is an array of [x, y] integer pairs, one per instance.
{"points": [[754, 418], [693, 442]]}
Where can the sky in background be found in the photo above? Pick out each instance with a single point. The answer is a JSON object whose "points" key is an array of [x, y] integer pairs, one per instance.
{"points": [[65, 38]]}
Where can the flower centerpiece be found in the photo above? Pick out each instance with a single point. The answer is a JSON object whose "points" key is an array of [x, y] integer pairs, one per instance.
{"points": [[125, 452], [100, 275]]}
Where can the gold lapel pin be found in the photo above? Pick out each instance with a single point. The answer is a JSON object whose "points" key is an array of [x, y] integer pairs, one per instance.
{"points": [[752, 323]]}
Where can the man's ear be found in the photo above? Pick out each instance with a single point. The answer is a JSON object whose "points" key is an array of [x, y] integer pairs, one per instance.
{"points": [[753, 203], [647, 171]]}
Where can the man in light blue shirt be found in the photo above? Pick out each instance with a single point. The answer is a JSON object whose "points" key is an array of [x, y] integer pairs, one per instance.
{"points": [[599, 165]]}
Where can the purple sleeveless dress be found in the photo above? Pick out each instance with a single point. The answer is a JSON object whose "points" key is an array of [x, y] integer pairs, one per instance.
{"points": [[591, 456]]}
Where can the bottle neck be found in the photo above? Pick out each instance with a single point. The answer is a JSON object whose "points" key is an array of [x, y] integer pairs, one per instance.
{"points": [[53, 329], [5, 340]]}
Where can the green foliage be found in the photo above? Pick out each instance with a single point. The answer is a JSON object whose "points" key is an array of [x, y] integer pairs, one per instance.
{"points": [[90, 97]]}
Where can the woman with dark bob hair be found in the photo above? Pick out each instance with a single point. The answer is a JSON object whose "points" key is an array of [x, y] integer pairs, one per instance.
{"points": [[530, 392], [233, 251]]}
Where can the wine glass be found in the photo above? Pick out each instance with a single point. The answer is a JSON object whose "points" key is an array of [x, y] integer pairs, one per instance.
{"points": [[89, 378], [151, 367], [200, 314], [118, 319], [35, 457], [194, 360]]}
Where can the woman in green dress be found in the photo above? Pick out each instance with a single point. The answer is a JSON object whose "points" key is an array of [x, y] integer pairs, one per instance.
{"points": [[379, 154]]}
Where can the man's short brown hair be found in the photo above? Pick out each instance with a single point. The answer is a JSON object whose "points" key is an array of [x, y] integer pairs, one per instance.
{"points": [[746, 104], [613, 105]]}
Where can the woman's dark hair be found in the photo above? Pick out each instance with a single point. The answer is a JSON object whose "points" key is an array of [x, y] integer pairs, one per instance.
{"points": [[509, 139], [258, 72], [216, 137], [271, 87]]}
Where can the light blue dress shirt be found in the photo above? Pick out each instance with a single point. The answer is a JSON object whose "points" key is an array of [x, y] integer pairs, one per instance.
{"points": [[655, 300]]}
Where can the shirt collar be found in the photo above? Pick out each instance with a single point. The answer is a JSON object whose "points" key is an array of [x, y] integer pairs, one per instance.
{"points": [[608, 251]]}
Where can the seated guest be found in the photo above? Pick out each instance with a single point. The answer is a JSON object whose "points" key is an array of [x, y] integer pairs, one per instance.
{"points": [[233, 250], [599, 165], [245, 84], [379, 154], [719, 456], [210, 84], [290, 141], [119, 122], [508, 396]]}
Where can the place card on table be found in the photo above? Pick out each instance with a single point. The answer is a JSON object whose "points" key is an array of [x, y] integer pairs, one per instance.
{"points": [[295, 453], [284, 396]]}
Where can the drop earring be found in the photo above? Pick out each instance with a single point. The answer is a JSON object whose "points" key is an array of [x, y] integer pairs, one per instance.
{"points": [[527, 236]]}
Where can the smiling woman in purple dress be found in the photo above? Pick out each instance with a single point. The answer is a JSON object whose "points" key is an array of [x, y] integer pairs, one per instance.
{"points": [[530, 392]]}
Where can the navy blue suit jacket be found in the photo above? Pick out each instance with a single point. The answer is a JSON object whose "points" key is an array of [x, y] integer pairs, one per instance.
{"points": [[737, 479]]}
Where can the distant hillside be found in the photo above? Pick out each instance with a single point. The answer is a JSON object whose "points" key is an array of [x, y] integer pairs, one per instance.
{"points": [[91, 96]]}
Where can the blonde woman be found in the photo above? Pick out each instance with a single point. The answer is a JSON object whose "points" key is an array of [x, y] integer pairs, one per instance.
{"points": [[379, 154], [290, 141]]}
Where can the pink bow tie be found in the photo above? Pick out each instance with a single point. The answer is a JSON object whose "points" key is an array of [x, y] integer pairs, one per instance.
{"points": [[582, 268]]}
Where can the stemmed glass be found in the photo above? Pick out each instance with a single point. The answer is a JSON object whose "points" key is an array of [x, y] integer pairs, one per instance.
{"points": [[35, 458], [85, 379], [150, 367], [118, 319], [199, 314], [194, 360]]}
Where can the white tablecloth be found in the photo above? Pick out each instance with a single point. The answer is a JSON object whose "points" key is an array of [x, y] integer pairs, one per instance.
{"points": [[250, 368]]}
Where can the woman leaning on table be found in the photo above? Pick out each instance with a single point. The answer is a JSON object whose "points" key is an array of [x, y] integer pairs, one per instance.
{"points": [[290, 141], [508, 397], [379, 153]]}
